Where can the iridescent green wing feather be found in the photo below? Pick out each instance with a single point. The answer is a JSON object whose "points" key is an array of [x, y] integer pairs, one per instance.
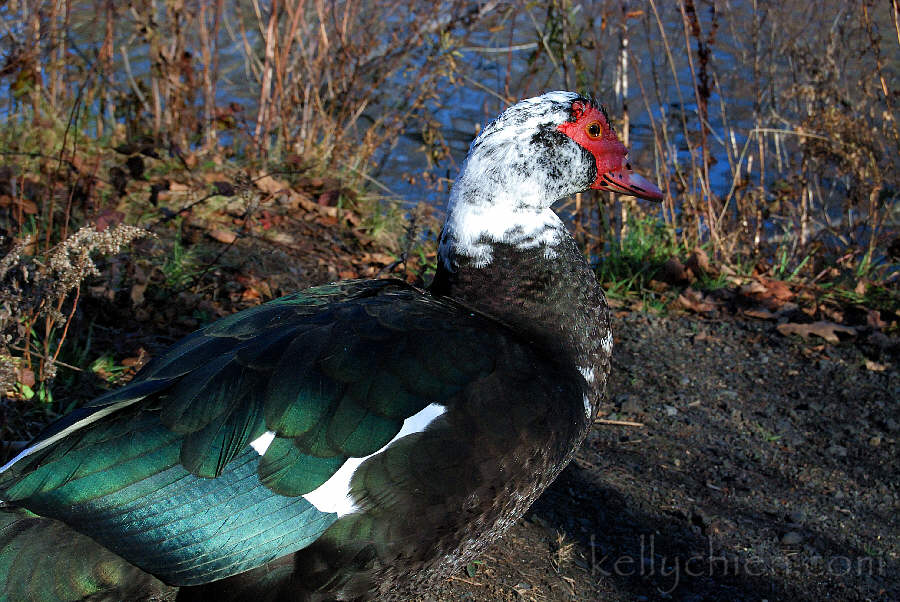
{"points": [[161, 471]]}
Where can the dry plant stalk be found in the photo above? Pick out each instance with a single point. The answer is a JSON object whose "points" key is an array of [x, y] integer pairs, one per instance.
{"points": [[34, 291]]}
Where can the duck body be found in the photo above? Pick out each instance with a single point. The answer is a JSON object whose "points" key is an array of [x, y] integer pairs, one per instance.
{"points": [[351, 441]]}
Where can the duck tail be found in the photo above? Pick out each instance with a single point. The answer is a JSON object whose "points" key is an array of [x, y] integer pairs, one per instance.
{"points": [[43, 559]]}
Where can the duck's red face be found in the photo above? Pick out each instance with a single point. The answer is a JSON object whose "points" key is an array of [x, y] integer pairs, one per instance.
{"points": [[591, 130]]}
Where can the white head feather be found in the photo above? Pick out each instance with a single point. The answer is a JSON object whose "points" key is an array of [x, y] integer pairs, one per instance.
{"points": [[516, 169]]}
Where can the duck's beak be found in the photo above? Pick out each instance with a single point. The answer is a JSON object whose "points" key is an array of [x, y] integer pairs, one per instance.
{"points": [[626, 181]]}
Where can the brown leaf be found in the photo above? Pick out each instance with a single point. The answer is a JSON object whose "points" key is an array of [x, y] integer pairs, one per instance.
{"points": [[302, 201], [26, 377], [771, 293], [693, 300], [28, 206], [698, 262], [251, 294], [753, 288], [135, 360], [178, 187], [225, 236], [875, 366], [137, 293], [657, 286], [382, 258], [778, 289], [673, 272], [351, 218], [329, 198], [108, 218], [760, 313], [282, 238], [826, 330], [270, 185], [873, 319]]}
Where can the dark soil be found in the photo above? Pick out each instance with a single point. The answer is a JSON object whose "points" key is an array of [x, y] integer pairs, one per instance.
{"points": [[766, 469]]}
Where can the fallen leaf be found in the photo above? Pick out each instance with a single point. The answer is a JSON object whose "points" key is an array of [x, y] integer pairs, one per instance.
{"points": [[270, 185], [382, 258], [351, 218], [251, 294], [108, 218], [698, 262], [282, 238], [137, 293], [761, 313], [702, 336], [873, 319], [329, 198], [303, 201], [28, 206], [753, 288], [778, 289], [771, 293], [26, 377], [659, 287], [693, 300], [673, 272], [826, 330], [875, 366], [178, 187]]}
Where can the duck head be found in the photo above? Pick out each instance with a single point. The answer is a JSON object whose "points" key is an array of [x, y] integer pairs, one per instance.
{"points": [[534, 154]]}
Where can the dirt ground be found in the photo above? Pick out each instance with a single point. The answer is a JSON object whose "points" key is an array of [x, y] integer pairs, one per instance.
{"points": [[766, 469]]}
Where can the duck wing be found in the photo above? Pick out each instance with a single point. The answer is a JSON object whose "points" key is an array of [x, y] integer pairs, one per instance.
{"points": [[162, 471]]}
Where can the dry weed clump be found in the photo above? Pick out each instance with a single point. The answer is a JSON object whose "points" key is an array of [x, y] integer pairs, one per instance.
{"points": [[34, 291]]}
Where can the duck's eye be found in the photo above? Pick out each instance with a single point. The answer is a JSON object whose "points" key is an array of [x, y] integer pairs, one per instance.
{"points": [[594, 130]]}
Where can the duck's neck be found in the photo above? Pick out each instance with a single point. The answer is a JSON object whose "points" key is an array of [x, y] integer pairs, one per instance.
{"points": [[538, 283]]}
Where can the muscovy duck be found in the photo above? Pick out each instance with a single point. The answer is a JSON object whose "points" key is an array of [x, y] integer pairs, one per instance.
{"points": [[354, 440]]}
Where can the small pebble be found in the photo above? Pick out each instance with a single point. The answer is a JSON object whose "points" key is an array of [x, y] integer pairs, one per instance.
{"points": [[631, 406], [670, 410], [791, 538], [837, 450]]}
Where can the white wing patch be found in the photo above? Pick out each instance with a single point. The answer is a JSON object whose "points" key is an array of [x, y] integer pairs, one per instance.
{"points": [[334, 494], [262, 443]]}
